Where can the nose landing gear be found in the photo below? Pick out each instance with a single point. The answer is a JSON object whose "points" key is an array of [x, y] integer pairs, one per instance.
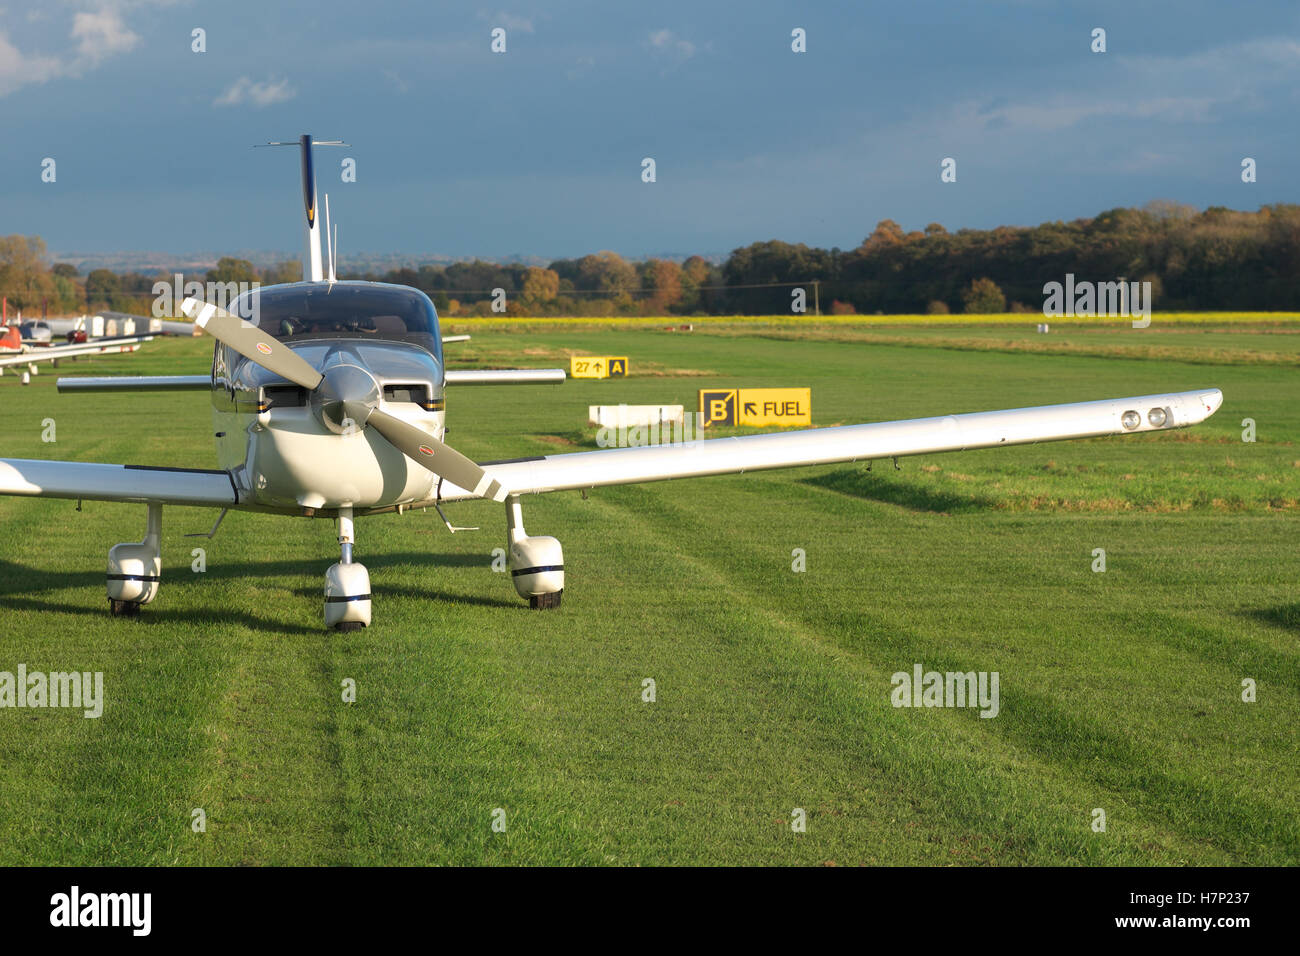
{"points": [[347, 584]]}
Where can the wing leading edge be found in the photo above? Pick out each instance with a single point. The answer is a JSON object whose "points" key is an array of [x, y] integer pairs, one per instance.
{"points": [[99, 482], [847, 443]]}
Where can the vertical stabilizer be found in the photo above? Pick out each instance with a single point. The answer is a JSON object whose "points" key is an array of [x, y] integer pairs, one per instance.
{"points": [[312, 261], [311, 258]]}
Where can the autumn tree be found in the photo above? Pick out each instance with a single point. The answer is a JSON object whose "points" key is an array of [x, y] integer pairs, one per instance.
{"points": [[984, 296], [102, 287], [606, 272], [696, 274], [663, 279], [23, 276], [886, 233], [230, 269], [288, 271], [540, 286]]}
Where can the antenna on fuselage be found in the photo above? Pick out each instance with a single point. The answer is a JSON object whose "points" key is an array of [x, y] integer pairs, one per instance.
{"points": [[331, 240], [312, 270]]}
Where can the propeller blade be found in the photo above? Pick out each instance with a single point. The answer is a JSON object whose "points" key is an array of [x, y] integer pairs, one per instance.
{"points": [[443, 460], [252, 343]]}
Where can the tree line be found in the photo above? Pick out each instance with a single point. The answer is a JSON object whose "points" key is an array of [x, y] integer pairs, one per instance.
{"points": [[1212, 260]]}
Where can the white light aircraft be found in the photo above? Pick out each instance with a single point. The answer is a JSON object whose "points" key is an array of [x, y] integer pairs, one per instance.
{"points": [[15, 353], [332, 404]]}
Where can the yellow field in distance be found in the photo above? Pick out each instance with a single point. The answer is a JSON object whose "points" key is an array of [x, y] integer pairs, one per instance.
{"points": [[470, 323]]}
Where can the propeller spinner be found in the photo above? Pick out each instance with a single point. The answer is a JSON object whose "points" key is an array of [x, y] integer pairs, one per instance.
{"points": [[344, 397]]}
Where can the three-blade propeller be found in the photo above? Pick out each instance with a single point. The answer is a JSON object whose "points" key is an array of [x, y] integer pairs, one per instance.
{"points": [[276, 357]]}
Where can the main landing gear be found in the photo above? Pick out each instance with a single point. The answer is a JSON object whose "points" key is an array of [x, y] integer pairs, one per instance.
{"points": [[134, 570], [347, 584], [536, 564]]}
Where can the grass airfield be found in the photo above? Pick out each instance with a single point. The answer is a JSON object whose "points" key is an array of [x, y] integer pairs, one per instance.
{"points": [[1119, 690]]}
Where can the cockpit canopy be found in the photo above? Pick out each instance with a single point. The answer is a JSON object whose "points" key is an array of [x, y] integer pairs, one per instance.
{"points": [[368, 311]]}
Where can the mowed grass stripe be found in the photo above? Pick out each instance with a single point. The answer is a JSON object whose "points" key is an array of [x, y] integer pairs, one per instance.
{"points": [[1211, 683], [272, 781], [932, 750]]}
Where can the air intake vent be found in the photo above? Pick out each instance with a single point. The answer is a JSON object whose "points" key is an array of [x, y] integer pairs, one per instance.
{"points": [[282, 396], [415, 394]]}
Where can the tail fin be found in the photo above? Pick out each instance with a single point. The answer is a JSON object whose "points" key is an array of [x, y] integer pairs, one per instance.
{"points": [[312, 268]]}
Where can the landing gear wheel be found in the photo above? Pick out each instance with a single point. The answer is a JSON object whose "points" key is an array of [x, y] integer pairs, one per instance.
{"points": [[346, 626], [123, 608], [542, 602]]}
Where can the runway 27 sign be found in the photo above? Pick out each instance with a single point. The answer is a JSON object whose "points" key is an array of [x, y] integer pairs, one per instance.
{"points": [[598, 366]]}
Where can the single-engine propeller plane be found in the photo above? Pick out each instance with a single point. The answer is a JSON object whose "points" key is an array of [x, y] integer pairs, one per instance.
{"points": [[329, 401]]}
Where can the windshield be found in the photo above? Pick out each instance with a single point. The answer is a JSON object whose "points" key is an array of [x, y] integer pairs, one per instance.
{"points": [[319, 310]]}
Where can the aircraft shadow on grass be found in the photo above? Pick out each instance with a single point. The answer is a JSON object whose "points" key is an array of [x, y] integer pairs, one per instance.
{"points": [[1284, 615], [20, 586], [880, 484]]}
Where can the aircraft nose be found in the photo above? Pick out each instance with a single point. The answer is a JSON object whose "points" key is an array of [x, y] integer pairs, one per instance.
{"points": [[1212, 400], [345, 397]]}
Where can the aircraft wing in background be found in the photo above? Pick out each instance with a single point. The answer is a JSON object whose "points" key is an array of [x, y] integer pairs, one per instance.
{"points": [[97, 347]]}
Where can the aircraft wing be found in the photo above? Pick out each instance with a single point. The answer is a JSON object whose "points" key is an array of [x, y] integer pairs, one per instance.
{"points": [[506, 376], [97, 482], [135, 383], [100, 347], [847, 443]]}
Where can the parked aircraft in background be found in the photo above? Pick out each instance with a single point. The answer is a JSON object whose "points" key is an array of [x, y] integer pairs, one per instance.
{"points": [[17, 351]]}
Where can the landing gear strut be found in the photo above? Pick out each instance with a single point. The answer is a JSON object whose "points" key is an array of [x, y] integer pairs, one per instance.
{"points": [[347, 584], [536, 564], [134, 570]]}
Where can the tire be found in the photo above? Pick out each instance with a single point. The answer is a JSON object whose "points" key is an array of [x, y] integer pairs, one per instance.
{"points": [[544, 602], [345, 627], [123, 608]]}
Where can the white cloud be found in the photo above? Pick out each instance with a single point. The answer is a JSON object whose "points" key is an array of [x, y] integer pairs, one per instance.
{"points": [[101, 34], [18, 69], [97, 34], [1063, 112], [1199, 87], [256, 93], [665, 41]]}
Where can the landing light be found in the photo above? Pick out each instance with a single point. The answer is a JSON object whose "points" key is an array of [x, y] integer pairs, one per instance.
{"points": [[1130, 420], [1157, 417]]}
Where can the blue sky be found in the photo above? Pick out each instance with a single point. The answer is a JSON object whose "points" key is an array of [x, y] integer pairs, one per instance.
{"points": [[538, 151]]}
